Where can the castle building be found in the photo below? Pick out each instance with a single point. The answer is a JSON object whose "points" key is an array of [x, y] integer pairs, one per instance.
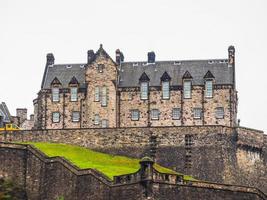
{"points": [[105, 93]]}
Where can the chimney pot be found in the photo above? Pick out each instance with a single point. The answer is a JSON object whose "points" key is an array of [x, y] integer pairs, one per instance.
{"points": [[119, 57], [50, 59]]}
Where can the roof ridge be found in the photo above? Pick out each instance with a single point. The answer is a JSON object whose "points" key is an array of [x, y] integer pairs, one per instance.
{"points": [[162, 61]]}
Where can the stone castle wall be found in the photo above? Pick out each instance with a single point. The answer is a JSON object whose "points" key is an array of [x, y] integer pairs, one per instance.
{"points": [[51, 178], [214, 153]]}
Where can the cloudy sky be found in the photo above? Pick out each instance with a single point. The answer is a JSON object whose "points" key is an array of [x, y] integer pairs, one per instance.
{"points": [[174, 29]]}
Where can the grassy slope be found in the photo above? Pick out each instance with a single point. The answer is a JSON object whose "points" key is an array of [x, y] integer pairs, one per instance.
{"points": [[85, 158]]}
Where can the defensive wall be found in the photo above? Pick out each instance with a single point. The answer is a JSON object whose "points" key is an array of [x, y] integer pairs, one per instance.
{"points": [[213, 153], [51, 178]]}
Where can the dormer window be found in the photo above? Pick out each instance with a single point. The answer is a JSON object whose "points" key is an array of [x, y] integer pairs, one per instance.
{"points": [[165, 79], [209, 78], [55, 94], [166, 90], [144, 86], [144, 90], [73, 94], [208, 88], [187, 84], [187, 89]]}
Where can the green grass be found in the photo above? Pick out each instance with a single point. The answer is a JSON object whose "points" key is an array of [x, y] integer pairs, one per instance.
{"points": [[84, 158]]}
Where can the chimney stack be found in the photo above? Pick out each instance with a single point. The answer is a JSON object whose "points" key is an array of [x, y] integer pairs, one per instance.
{"points": [[119, 57], [90, 56], [151, 56], [231, 55], [50, 59]]}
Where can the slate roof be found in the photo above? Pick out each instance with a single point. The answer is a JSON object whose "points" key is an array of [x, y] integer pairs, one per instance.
{"points": [[4, 112], [65, 73], [130, 72]]}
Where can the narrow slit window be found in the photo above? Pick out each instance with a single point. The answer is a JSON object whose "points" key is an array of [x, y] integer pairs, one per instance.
{"points": [[104, 123], [96, 121]]}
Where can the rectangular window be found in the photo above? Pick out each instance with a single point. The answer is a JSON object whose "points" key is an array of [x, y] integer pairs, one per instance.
{"points": [[55, 94], [55, 117], [155, 114], [100, 68], [166, 90], [176, 113], [104, 123], [187, 89], [97, 94], [75, 116], [135, 115], [188, 140], [96, 119], [144, 90], [104, 96], [219, 112], [197, 113], [73, 94], [208, 88]]}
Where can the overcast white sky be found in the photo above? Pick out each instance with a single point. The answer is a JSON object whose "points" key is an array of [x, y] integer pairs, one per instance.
{"points": [[178, 29]]}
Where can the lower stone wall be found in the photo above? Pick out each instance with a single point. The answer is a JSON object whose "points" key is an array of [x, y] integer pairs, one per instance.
{"points": [[215, 153], [50, 178]]}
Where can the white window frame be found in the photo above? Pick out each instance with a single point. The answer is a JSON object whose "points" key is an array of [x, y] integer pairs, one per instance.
{"points": [[97, 119], [154, 114], [187, 89], [73, 94], [55, 117], [197, 113], [144, 91], [55, 94], [104, 96], [135, 114], [208, 88], [104, 123], [97, 93], [219, 112], [165, 90], [176, 113], [77, 117]]}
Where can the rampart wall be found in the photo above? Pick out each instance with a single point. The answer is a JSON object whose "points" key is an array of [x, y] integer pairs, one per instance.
{"points": [[51, 178], [213, 153]]}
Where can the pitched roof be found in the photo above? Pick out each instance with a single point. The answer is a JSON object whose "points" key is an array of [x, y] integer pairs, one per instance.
{"points": [[130, 72], [4, 112], [65, 73]]}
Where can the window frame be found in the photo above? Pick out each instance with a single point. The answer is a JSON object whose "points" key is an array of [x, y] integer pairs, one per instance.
{"points": [[132, 115], [216, 112], [176, 118], [53, 94], [152, 114], [210, 89], [97, 94], [189, 87], [71, 94], [200, 114], [96, 122], [144, 90], [53, 117], [164, 90], [79, 116], [104, 99], [104, 120]]}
